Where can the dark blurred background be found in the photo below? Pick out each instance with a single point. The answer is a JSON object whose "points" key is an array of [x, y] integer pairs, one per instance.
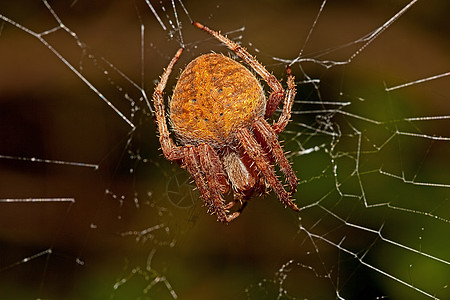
{"points": [[83, 250]]}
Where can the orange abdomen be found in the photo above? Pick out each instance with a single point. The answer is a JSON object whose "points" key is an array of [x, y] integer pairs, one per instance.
{"points": [[214, 96]]}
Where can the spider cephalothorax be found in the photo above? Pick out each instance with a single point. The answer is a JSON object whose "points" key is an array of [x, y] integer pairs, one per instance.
{"points": [[218, 112]]}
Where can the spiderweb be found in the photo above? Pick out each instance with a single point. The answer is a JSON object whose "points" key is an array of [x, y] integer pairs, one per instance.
{"points": [[90, 209]]}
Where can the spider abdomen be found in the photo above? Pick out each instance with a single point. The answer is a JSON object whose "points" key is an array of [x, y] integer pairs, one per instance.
{"points": [[214, 97]]}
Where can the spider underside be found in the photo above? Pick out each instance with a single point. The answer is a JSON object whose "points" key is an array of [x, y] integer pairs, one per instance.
{"points": [[218, 113]]}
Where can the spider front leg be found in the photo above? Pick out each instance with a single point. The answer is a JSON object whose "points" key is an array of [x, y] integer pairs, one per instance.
{"points": [[268, 134], [212, 167], [204, 165], [170, 149], [256, 153], [289, 97]]}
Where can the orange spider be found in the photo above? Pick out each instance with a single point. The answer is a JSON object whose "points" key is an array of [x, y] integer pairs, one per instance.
{"points": [[218, 112]]}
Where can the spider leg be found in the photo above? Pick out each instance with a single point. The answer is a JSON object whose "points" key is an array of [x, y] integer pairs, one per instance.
{"points": [[212, 167], [267, 133], [211, 195], [277, 93], [283, 120], [256, 153], [170, 149], [217, 181]]}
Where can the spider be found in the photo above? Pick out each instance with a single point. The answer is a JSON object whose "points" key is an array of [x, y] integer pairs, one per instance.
{"points": [[218, 112]]}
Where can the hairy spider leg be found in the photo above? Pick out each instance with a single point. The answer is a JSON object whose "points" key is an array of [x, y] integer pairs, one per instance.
{"points": [[285, 115], [170, 149], [212, 167], [267, 133], [192, 165], [217, 181], [256, 153], [277, 93], [211, 195]]}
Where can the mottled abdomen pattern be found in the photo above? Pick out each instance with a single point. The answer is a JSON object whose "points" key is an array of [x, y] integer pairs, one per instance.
{"points": [[215, 96]]}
